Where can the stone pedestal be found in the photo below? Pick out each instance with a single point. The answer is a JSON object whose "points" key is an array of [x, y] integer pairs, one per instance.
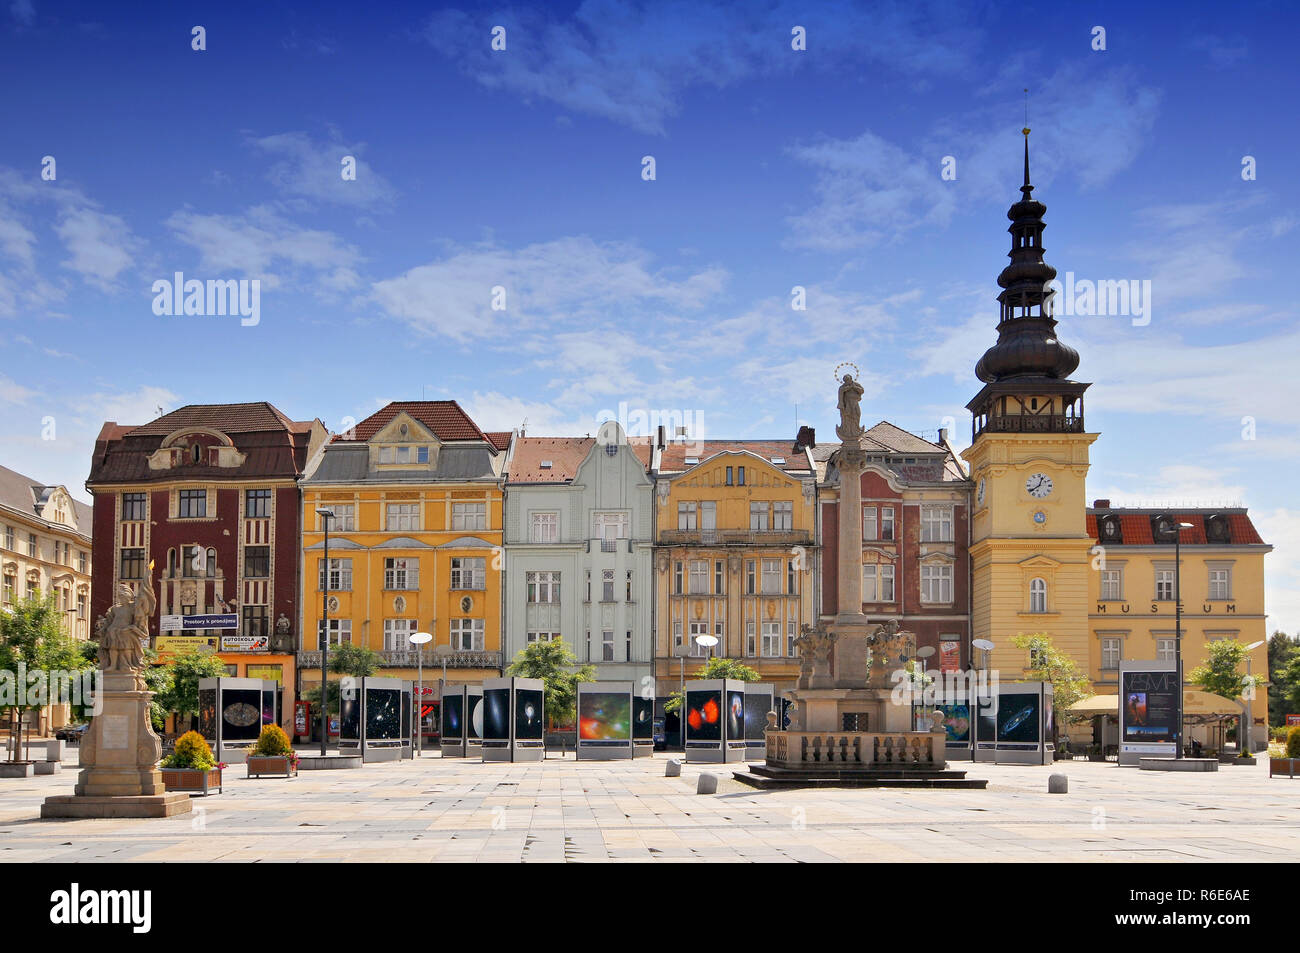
{"points": [[119, 760]]}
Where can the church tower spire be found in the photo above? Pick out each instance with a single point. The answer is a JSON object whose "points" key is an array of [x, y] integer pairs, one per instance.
{"points": [[1027, 371]]}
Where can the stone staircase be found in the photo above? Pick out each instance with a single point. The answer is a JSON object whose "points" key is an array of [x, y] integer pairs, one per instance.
{"points": [[767, 777]]}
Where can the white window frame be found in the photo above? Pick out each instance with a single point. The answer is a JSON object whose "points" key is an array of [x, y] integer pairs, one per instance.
{"points": [[542, 587], [770, 644], [468, 573], [402, 517], [936, 523], [466, 635], [397, 633], [468, 515], [1038, 595], [402, 573], [1112, 585], [1112, 647], [545, 527], [783, 515], [936, 583], [686, 515], [340, 569]]}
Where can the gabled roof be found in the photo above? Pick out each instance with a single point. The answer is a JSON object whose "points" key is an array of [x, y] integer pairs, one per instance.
{"points": [[674, 458], [564, 454], [27, 496], [444, 417], [499, 438]]}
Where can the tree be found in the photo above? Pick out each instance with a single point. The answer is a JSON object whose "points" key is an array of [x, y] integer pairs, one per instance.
{"points": [[33, 643], [715, 668], [181, 694], [1283, 685], [349, 659], [157, 679], [556, 665], [1219, 675], [1047, 663]]}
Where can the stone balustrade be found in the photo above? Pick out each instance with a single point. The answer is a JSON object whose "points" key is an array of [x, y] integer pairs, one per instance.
{"points": [[849, 749]]}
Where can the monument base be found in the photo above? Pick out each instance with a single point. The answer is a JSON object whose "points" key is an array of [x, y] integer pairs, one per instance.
{"points": [[144, 805]]}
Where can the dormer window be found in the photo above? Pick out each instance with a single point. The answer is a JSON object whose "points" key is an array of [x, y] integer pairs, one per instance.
{"points": [[691, 461], [196, 453], [779, 461], [547, 464]]}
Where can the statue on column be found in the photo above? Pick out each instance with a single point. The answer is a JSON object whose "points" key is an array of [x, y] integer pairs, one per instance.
{"points": [[850, 398], [123, 630]]}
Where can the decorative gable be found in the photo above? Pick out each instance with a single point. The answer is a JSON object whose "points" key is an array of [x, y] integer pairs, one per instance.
{"points": [[404, 443]]}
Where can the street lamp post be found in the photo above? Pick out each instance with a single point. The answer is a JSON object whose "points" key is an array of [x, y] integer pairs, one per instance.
{"points": [[326, 514], [1246, 745], [1178, 627], [420, 640]]}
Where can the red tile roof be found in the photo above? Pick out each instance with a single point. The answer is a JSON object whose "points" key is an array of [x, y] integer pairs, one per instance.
{"points": [[499, 438], [674, 455], [444, 417], [1135, 527], [565, 454]]}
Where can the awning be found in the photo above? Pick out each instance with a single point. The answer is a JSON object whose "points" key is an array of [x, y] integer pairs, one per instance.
{"points": [[1096, 705], [1208, 705], [1196, 704]]}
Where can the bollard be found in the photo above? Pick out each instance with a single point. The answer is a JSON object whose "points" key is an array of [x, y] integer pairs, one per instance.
{"points": [[707, 784], [1058, 784], [673, 769]]}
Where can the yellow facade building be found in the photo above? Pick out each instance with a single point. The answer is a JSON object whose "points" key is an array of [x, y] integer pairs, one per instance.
{"points": [[415, 542], [735, 556], [45, 545], [1133, 587]]}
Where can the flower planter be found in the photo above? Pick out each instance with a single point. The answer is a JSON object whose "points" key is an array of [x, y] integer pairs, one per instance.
{"points": [[192, 780], [1284, 767], [274, 765]]}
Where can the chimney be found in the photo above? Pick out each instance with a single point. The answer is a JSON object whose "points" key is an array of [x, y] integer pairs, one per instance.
{"points": [[661, 437], [943, 435], [805, 439], [1101, 504]]}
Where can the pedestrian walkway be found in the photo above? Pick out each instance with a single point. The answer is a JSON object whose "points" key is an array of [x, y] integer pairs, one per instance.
{"points": [[563, 810]]}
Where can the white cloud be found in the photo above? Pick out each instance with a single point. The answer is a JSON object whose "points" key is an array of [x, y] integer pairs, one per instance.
{"points": [[261, 243], [313, 169], [566, 283], [633, 62], [869, 189], [101, 245]]}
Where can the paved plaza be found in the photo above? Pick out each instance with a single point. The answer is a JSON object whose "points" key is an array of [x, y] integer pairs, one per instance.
{"points": [[564, 810]]}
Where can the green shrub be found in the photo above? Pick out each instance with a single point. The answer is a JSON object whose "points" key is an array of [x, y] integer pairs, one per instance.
{"points": [[191, 752], [1293, 742], [272, 743]]}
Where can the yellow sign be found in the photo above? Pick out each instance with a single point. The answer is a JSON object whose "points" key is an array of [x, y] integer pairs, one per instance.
{"points": [[185, 643], [274, 672]]}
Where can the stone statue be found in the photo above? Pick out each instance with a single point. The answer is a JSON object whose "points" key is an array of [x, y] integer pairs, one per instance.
{"points": [[850, 396], [282, 625], [816, 643], [124, 629]]}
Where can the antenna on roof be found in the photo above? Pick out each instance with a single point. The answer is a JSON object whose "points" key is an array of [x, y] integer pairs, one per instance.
{"points": [[160, 411]]}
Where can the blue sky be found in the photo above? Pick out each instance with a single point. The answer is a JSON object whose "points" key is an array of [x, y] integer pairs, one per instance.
{"points": [[774, 168]]}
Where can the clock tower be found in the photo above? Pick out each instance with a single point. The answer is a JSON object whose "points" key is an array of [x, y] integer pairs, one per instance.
{"points": [[1028, 459]]}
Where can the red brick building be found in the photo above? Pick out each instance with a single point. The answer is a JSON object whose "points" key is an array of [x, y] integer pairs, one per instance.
{"points": [[208, 495], [916, 503]]}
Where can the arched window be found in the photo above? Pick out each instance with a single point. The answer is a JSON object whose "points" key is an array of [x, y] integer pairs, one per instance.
{"points": [[212, 562], [1038, 595], [171, 562]]}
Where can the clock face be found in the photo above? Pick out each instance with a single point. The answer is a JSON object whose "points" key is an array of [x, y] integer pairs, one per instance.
{"points": [[1040, 517], [1039, 485]]}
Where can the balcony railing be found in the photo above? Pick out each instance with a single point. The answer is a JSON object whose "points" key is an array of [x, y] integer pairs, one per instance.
{"points": [[735, 537], [1029, 423], [409, 658]]}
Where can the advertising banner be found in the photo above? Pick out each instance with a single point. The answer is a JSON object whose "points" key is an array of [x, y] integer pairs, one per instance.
{"points": [[185, 643], [245, 643], [177, 623], [949, 656], [1149, 707]]}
